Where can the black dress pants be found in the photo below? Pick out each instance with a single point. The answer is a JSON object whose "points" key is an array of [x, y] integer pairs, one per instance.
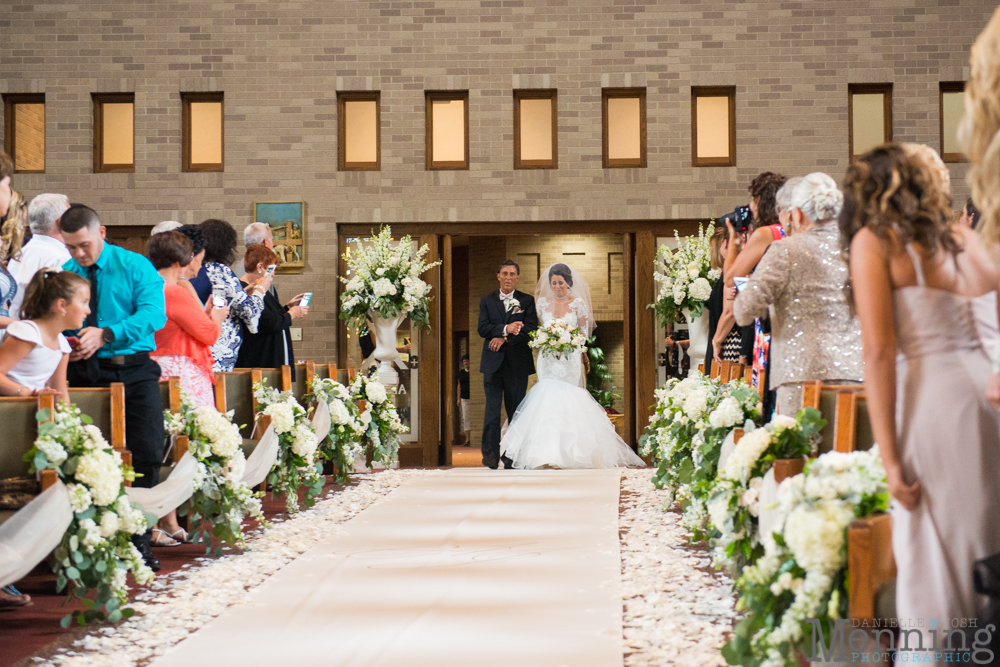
{"points": [[507, 387], [144, 434]]}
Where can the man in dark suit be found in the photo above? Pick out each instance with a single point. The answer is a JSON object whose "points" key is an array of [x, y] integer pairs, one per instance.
{"points": [[506, 317]]}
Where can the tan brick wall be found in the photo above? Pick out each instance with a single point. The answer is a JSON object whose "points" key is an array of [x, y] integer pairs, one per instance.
{"points": [[280, 65]]}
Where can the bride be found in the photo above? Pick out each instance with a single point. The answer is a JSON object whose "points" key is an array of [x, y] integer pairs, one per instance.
{"points": [[559, 424]]}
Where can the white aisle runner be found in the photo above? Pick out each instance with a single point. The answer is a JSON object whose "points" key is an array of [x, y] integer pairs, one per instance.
{"points": [[464, 568]]}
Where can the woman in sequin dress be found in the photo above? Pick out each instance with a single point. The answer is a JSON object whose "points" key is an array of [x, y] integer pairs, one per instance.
{"points": [[802, 281]]}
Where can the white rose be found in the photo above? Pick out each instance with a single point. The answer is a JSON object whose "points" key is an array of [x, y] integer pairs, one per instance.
{"points": [[696, 403], [380, 271], [727, 414], [781, 422], [339, 414], [101, 472], [282, 417], [375, 391], [304, 441]]}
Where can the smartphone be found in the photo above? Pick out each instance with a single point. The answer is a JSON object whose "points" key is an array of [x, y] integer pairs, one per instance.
{"points": [[740, 283], [306, 298], [270, 270], [73, 341], [218, 297]]}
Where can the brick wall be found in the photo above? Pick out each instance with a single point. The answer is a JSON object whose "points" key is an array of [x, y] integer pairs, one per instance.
{"points": [[280, 65]]}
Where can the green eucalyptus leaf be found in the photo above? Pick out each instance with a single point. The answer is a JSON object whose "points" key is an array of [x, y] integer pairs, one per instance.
{"points": [[72, 573]]}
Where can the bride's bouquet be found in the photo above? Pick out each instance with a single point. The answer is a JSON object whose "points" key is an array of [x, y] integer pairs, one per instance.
{"points": [[558, 338], [685, 277]]}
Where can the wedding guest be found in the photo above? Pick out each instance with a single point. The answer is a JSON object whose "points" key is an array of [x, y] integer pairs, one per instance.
{"points": [[10, 246], [245, 302], [742, 257], [35, 353], [126, 308], [926, 376], [802, 278], [464, 400], [970, 215], [193, 234], [727, 339], [258, 232], [270, 344], [184, 344], [45, 250]]}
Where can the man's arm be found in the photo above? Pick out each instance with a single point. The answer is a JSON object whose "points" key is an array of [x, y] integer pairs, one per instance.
{"points": [[147, 299], [486, 328], [530, 324]]}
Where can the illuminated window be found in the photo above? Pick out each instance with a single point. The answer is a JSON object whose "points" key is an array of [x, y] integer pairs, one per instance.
{"points": [[203, 129], [448, 130], [713, 126], [114, 132], [24, 131], [359, 143], [624, 115], [952, 109], [535, 136], [869, 116]]}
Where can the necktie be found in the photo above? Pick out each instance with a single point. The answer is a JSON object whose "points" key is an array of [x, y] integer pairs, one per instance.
{"points": [[92, 276]]}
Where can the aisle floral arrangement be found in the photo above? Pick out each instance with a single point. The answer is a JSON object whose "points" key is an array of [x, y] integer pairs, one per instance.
{"points": [[96, 552], [386, 281], [558, 338], [685, 277], [220, 497], [342, 444], [296, 465], [803, 572], [734, 499], [684, 437], [379, 420]]}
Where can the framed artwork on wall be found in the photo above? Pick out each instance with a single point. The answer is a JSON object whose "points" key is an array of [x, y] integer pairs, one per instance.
{"points": [[287, 222]]}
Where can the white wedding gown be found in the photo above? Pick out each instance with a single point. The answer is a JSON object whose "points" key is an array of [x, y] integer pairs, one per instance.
{"points": [[559, 424]]}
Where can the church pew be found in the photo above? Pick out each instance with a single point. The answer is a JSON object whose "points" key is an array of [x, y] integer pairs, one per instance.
{"points": [[234, 391], [170, 391], [854, 428], [106, 406], [304, 374], [20, 431], [824, 397], [716, 369]]}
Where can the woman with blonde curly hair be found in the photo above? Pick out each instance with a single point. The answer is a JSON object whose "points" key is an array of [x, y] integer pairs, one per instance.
{"points": [[938, 435], [11, 238]]}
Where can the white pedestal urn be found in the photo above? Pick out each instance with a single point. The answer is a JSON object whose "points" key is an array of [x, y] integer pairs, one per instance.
{"points": [[698, 333], [385, 347]]}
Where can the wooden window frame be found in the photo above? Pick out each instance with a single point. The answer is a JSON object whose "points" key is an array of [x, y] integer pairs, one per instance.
{"points": [[10, 101], [430, 97], [948, 87], [713, 91], [609, 93], [536, 94], [343, 97], [868, 89], [186, 100], [100, 99]]}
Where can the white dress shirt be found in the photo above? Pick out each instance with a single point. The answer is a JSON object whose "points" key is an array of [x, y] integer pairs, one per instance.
{"points": [[41, 252]]}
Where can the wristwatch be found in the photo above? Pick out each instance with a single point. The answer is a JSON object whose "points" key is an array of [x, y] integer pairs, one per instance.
{"points": [[108, 335]]}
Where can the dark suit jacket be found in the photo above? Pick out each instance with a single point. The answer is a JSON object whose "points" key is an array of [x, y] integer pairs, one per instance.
{"points": [[266, 348], [492, 319]]}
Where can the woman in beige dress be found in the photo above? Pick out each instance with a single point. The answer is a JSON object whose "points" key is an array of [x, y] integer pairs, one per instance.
{"points": [[926, 374], [801, 279]]}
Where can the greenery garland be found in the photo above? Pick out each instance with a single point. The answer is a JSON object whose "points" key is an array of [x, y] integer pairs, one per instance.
{"points": [[342, 444], [96, 552], [379, 420]]}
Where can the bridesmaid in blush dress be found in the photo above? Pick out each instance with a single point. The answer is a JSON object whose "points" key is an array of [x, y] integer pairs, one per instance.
{"points": [[926, 373]]}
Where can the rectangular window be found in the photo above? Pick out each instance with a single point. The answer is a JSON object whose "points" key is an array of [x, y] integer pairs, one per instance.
{"points": [[869, 116], [447, 129], [114, 132], [24, 131], [359, 143], [952, 109], [624, 115], [535, 135], [713, 126], [203, 143]]}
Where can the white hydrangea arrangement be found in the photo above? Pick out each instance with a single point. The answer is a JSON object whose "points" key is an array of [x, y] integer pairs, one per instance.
{"points": [[734, 500], [557, 338], [96, 552], [685, 277], [803, 572], [220, 497], [379, 420], [297, 463], [342, 444], [385, 280]]}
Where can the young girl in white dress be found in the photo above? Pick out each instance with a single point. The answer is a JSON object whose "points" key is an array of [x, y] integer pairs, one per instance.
{"points": [[34, 353], [559, 424]]}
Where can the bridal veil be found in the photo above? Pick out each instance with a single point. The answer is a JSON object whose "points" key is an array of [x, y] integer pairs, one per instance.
{"points": [[578, 289]]}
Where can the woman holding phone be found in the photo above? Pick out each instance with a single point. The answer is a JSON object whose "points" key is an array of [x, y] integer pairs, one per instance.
{"points": [[270, 346], [802, 278]]}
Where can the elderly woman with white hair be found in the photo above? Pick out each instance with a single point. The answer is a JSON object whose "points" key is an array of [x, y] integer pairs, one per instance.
{"points": [[801, 280]]}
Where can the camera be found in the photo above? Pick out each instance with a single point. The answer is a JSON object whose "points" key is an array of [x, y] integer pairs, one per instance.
{"points": [[741, 218]]}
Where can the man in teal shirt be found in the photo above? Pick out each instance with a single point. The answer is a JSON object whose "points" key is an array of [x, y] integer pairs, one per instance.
{"points": [[126, 310]]}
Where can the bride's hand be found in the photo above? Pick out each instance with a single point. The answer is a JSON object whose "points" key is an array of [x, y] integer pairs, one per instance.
{"points": [[993, 391]]}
